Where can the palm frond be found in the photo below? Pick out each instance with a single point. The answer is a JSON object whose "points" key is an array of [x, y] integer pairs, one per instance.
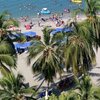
{"points": [[36, 48], [8, 59], [5, 47], [46, 35], [9, 22], [12, 87], [47, 63]]}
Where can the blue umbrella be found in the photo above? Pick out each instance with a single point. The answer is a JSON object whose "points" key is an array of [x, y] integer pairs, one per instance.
{"points": [[67, 30], [56, 31], [24, 45], [61, 30], [13, 36], [30, 34]]}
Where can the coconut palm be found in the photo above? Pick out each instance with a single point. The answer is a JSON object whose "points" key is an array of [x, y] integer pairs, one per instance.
{"points": [[62, 96], [7, 51], [85, 90], [6, 22], [77, 50], [13, 88], [48, 62], [7, 57], [91, 9]]}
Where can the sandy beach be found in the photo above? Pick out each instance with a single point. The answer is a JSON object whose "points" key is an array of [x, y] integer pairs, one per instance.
{"points": [[26, 70]]}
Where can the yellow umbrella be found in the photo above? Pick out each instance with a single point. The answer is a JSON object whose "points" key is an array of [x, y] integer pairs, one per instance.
{"points": [[76, 1]]}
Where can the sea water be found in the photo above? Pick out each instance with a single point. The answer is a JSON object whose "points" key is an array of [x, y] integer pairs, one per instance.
{"points": [[20, 8]]}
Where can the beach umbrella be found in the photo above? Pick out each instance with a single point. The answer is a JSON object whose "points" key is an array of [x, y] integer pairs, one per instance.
{"points": [[24, 45], [30, 34], [13, 36], [67, 30], [76, 1], [57, 30]]}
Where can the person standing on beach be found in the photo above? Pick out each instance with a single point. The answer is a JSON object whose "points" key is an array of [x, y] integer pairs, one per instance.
{"points": [[39, 15], [39, 23], [62, 14]]}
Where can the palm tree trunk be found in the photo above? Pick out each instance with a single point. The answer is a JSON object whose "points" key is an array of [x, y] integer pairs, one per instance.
{"points": [[46, 93], [40, 85]]}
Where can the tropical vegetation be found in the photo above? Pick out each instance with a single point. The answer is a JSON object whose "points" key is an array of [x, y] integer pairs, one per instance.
{"points": [[12, 87], [77, 49], [73, 51], [84, 90], [7, 51], [49, 62], [7, 57], [5, 22], [91, 10]]}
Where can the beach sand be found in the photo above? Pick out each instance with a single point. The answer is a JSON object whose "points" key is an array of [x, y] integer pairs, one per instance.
{"points": [[22, 67], [26, 70]]}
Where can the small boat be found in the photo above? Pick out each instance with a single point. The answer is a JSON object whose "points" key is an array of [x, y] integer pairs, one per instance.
{"points": [[76, 1], [45, 11]]}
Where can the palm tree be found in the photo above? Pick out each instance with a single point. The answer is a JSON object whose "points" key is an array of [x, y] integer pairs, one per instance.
{"points": [[77, 50], [6, 22], [7, 57], [91, 9], [7, 50], [48, 62], [13, 88], [85, 90], [62, 96]]}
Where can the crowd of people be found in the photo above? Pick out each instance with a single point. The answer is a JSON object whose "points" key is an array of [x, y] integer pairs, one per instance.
{"points": [[24, 18], [55, 18]]}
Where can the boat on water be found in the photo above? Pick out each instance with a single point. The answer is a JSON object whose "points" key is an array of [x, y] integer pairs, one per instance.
{"points": [[76, 1], [45, 11]]}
